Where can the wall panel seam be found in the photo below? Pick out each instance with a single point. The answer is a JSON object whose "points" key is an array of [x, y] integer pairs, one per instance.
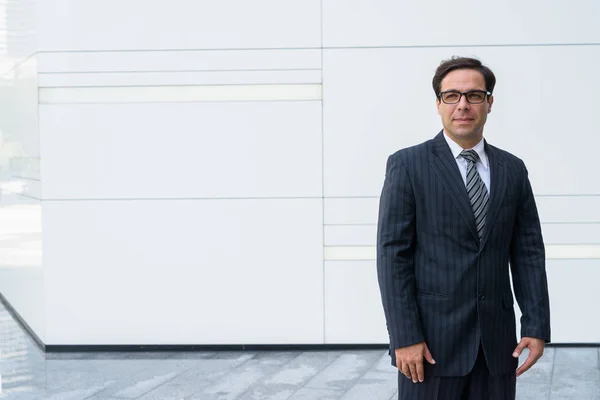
{"points": [[71, 51]]}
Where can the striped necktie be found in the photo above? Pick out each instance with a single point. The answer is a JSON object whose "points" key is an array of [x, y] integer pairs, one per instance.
{"points": [[478, 194]]}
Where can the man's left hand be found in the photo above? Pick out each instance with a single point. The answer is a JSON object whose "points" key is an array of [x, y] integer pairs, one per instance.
{"points": [[536, 350]]}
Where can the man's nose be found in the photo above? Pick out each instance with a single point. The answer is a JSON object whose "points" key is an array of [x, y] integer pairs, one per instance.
{"points": [[463, 103]]}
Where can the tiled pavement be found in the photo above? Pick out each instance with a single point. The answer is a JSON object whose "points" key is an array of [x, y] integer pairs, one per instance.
{"points": [[563, 373]]}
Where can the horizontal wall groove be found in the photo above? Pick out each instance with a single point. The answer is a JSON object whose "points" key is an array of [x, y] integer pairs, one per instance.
{"points": [[179, 101], [349, 224], [578, 251], [351, 245], [535, 195], [443, 46], [176, 85], [180, 93], [178, 70], [351, 197], [546, 244], [185, 198], [71, 51], [543, 223], [425, 46], [568, 195], [570, 223]]}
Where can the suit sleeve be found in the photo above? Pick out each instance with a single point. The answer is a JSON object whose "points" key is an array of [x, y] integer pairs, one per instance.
{"points": [[395, 256], [528, 267]]}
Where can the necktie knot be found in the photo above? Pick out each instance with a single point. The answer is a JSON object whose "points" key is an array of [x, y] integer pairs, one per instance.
{"points": [[470, 155]]}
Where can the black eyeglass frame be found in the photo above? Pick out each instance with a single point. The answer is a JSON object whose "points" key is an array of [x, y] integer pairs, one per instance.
{"points": [[487, 94]]}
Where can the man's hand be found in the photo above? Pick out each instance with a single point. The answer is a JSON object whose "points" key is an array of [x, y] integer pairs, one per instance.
{"points": [[409, 361], [536, 350]]}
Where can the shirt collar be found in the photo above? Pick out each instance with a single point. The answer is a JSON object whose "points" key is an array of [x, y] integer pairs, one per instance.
{"points": [[479, 148]]}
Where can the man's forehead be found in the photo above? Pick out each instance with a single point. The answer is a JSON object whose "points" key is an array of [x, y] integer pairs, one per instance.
{"points": [[463, 79]]}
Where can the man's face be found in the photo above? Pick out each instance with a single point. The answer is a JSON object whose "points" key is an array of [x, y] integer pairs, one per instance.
{"points": [[463, 121]]}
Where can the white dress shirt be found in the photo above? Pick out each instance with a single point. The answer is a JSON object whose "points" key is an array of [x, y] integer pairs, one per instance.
{"points": [[483, 164]]}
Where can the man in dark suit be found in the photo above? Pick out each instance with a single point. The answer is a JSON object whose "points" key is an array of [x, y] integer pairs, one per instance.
{"points": [[455, 214]]}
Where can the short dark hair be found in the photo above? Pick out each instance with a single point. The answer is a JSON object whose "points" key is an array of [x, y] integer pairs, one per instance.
{"points": [[455, 63]]}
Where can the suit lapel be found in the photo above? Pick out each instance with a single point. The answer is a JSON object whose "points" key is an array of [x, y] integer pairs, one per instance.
{"points": [[498, 183], [445, 167]]}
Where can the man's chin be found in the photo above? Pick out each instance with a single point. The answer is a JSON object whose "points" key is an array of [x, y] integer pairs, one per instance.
{"points": [[464, 133]]}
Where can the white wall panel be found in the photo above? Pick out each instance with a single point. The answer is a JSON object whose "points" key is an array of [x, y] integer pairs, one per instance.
{"points": [[270, 149], [350, 318], [179, 78], [573, 252], [529, 120], [558, 214], [180, 94], [184, 272], [340, 211], [581, 233], [350, 253], [554, 234], [353, 310], [568, 209], [463, 22], [178, 24], [228, 269], [180, 61], [574, 299], [347, 252], [350, 235], [377, 101]]}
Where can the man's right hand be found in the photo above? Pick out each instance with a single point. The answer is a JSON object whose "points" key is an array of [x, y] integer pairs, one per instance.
{"points": [[409, 361]]}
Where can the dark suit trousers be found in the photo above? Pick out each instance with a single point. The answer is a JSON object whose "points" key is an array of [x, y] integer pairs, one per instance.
{"points": [[476, 385]]}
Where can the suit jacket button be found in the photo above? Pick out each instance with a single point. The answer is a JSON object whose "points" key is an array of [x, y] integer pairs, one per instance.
{"points": [[481, 296]]}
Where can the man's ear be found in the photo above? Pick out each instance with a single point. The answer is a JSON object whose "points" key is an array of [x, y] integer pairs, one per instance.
{"points": [[490, 102], [437, 105]]}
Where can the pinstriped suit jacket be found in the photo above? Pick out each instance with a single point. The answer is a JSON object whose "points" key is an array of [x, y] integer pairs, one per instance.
{"points": [[439, 283]]}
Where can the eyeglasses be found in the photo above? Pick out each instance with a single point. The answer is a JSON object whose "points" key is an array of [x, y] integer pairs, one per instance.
{"points": [[472, 96]]}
